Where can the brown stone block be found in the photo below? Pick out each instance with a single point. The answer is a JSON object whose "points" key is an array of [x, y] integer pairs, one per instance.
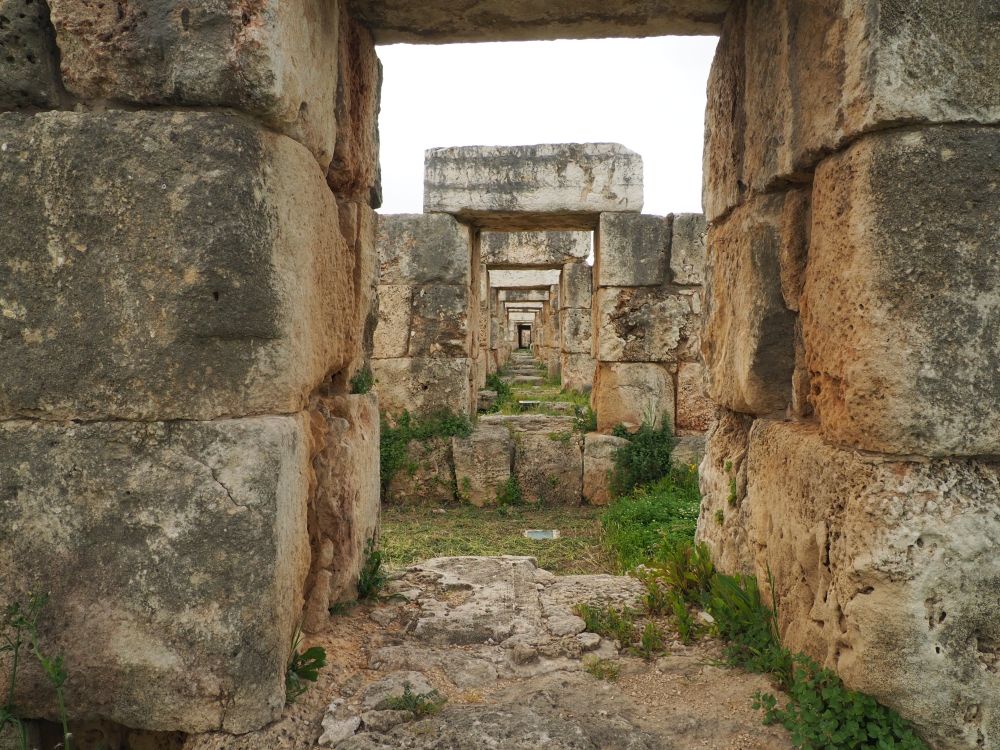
{"points": [[483, 463], [695, 410], [901, 305], [631, 393], [598, 463], [29, 76], [422, 385], [646, 324]]}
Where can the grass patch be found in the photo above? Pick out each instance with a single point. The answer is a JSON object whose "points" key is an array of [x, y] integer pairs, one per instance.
{"points": [[412, 534], [602, 669], [420, 704], [609, 622]]}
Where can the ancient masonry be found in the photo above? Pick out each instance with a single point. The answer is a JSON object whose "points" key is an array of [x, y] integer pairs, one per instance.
{"points": [[501, 253], [187, 287]]}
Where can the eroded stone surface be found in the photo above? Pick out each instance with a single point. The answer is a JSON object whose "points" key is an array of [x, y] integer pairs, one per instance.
{"points": [[552, 180], [901, 304], [646, 324], [423, 249], [163, 542], [548, 457], [687, 249], [577, 371], [598, 461], [629, 393], [427, 475], [576, 286], [483, 463], [695, 410], [632, 250], [166, 297], [422, 385], [575, 331], [29, 76], [274, 59], [533, 248]]}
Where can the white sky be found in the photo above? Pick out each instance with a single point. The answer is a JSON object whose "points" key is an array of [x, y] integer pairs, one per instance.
{"points": [[648, 94]]}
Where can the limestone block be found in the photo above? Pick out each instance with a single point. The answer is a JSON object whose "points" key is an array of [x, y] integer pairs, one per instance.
{"points": [[598, 462], [687, 249], [220, 288], [392, 334], [548, 459], [630, 393], [550, 179], [423, 249], [274, 59], [497, 20], [689, 451], [345, 507], [886, 571], [695, 410], [423, 385], [809, 77], [483, 463], [440, 322], [632, 250], [748, 333], [577, 372], [29, 76], [426, 477], [901, 303], [534, 248], [355, 169], [175, 555], [645, 324], [575, 328], [576, 286], [722, 476]]}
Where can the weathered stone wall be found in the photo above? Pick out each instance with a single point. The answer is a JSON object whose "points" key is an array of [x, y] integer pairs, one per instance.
{"points": [[851, 158], [576, 338], [646, 310], [188, 286]]}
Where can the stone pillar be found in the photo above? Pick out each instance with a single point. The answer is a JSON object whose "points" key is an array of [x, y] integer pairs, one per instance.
{"points": [[189, 285], [849, 341], [575, 301]]}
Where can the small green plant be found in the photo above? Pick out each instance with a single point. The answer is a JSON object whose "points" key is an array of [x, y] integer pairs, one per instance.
{"points": [[505, 394], [372, 577], [822, 713], [303, 667], [420, 704], [562, 438], [651, 641], [395, 439], [733, 498], [602, 669], [465, 489], [682, 618], [749, 626], [584, 419], [687, 569], [363, 380], [720, 517], [657, 597], [510, 493], [19, 636], [644, 459], [342, 608], [608, 622]]}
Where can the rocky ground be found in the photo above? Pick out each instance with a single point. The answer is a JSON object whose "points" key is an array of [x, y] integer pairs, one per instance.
{"points": [[497, 639]]}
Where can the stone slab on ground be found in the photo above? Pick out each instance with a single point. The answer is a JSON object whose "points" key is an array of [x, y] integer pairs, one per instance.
{"points": [[162, 545], [228, 295], [569, 183], [483, 463]]}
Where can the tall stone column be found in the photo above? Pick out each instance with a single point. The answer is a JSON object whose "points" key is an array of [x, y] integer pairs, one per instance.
{"points": [[849, 337], [575, 301]]}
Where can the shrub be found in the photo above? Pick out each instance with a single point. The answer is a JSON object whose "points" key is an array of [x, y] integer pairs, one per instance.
{"points": [[651, 641], [645, 459], [584, 419], [687, 569], [602, 669], [510, 493], [363, 380], [608, 622]]}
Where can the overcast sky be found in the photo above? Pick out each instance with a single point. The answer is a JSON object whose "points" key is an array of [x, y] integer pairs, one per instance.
{"points": [[648, 94]]}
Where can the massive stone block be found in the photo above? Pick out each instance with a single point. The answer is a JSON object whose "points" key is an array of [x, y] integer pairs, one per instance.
{"points": [[422, 385], [902, 298], [29, 76], [395, 310], [548, 457], [166, 296], [598, 462], [747, 332], [577, 371], [810, 76], [439, 325], [423, 249], [632, 250], [631, 393], [507, 183], [646, 324], [887, 571], [483, 463], [534, 248], [174, 555], [274, 59], [497, 20], [687, 249], [344, 513], [426, 477], [575, 331], [576, 286], [695, 411]]}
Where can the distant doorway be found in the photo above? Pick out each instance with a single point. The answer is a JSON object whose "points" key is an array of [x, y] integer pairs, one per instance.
{"points": [[524, 337]]}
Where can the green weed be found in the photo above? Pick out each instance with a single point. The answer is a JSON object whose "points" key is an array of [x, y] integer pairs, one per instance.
{"points": [[645, 459], [505, 394], [609, 622], [395, 440], [651, 641], [303, 667], [420, 704], [363, 380], [602, 669], [372, 578], [584, 419], [682, 618], [510, 493]]}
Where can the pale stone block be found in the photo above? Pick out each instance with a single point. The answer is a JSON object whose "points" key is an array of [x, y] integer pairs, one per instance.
{"points": [[423, 249], [175, 555], [575, 329], [598, 463], [553, 180], [632, 393], [427, 476], [534, 248], [166, 296], [392, 334], [646, 324], [902, 296], [695, 410], [577, 371], [483, 463], [274, 59], [632, 250], [687, 249], [885, 571], [748, 333], [548, 457], [576, 286], [422, 385], [346, 504], [439, 325]]}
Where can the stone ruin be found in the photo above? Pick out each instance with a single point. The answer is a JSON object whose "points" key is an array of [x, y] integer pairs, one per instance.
{"points": [[505, 242], [189, 286]]}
